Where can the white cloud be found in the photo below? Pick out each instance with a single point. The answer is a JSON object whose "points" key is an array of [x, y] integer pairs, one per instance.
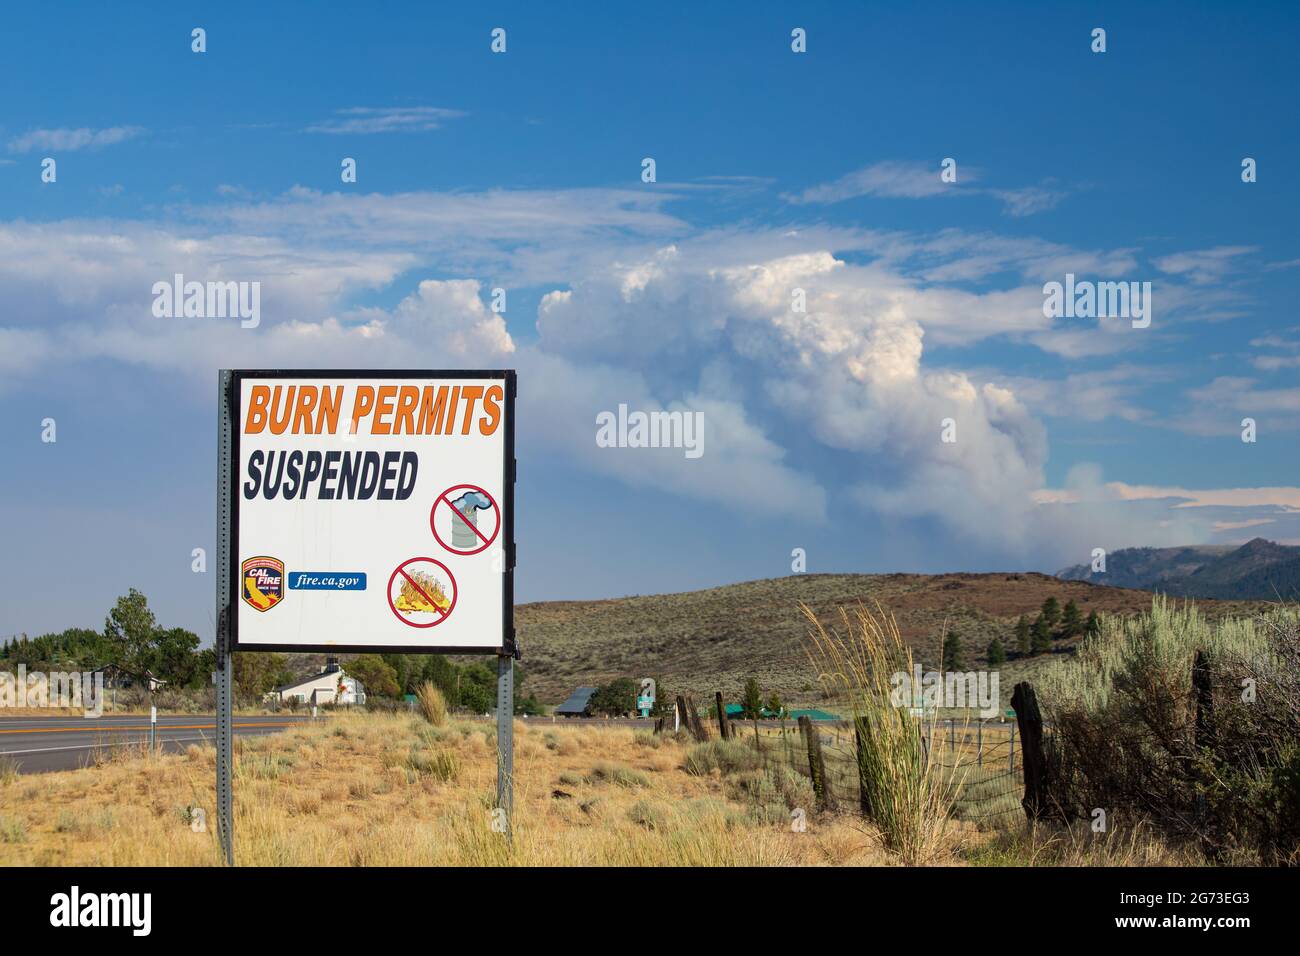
{"points": [[1088, 396], [70, 140], [1029, 200], [847, 373], [889, 179], [741, 469], [1218, 407], [810, 414], [368, 120], [446, 317], [1284, 497], [522, 236], [895, 179], [1205, 265]]}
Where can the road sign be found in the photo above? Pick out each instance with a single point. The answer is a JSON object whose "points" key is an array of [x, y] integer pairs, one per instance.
{"points": [[328, 484], [645, 700], [344, 482]]}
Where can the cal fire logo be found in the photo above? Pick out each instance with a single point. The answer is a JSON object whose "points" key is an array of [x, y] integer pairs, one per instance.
{"points": [[263, 582]]}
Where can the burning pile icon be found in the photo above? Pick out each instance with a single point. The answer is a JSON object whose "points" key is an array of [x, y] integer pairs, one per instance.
{"points": [[421, 592]]}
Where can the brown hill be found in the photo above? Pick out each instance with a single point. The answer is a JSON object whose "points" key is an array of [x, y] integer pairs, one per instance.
{"points": [[702, 641]]}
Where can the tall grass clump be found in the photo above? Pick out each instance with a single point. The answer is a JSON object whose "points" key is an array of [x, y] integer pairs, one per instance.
{"points": [[432, 704], [1218, 766], [910, 795], [725, 756]]}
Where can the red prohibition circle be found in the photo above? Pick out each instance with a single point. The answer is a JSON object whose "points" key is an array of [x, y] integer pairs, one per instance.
{"points": [[444, 499], [398, 570]]}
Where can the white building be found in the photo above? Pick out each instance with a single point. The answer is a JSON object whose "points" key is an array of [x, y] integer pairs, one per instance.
{"points": [[331, 686]]}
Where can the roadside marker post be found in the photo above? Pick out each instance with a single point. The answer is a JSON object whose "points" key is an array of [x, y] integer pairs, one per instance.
{"points": [[153, 728], [334, 478]]}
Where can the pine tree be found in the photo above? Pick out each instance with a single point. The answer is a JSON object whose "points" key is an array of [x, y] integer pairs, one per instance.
{"points": [[996, 653], [1023, 642], [751, 702], [1051, 612], [1071, 620], [1093, 625], [952, 660], [1041, 635]]}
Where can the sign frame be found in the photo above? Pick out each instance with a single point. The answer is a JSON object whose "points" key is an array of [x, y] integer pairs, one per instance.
{"points": [[508, 646]]}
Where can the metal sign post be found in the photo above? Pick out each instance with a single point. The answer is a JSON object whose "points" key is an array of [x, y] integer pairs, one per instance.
{"points": [[225, 670], [505, 740]]}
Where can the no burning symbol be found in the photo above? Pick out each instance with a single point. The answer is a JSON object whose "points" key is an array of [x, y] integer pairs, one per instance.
{"points": [[465, 519], [422, 592]]}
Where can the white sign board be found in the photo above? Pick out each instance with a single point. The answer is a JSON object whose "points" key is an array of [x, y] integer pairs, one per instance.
{"points": [[373, 511]]}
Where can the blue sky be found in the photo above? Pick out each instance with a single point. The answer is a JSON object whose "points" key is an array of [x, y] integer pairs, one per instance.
{"points": [[775, 170]]}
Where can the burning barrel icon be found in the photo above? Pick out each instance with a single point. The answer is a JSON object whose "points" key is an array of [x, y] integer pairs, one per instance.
{"points": [[465, 511]]}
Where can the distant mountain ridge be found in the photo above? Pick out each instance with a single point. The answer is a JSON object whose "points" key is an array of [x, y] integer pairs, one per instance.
{"points": [[1259, 570]]}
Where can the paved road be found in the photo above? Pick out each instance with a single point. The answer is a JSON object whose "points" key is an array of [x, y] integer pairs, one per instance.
{"points": [[38, 744]]}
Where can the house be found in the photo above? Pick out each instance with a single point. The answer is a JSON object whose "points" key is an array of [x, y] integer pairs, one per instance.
{"points": [[331, 685], [578, 704], [117, 679]]}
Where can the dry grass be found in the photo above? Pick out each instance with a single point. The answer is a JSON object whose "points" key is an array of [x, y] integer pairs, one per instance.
{"points": [[374, 789], [1133, 846], [911, 793], [432, 704]]}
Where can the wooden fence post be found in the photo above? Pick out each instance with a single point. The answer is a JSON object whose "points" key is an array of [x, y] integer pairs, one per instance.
{"points": [[724, 725], [1025, 703], [864, 797], [816, 763], [1204, 691], [686, 704]]}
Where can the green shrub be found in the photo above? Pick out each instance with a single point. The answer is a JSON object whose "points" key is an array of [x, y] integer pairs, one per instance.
{"points": [[647, 814], [619, 775], [440, 764], [12, 830], [726, 756], [1129, 732], [770, 795]]}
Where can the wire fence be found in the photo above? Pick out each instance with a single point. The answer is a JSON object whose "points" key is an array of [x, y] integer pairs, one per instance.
{"points": [[981, 760]]}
